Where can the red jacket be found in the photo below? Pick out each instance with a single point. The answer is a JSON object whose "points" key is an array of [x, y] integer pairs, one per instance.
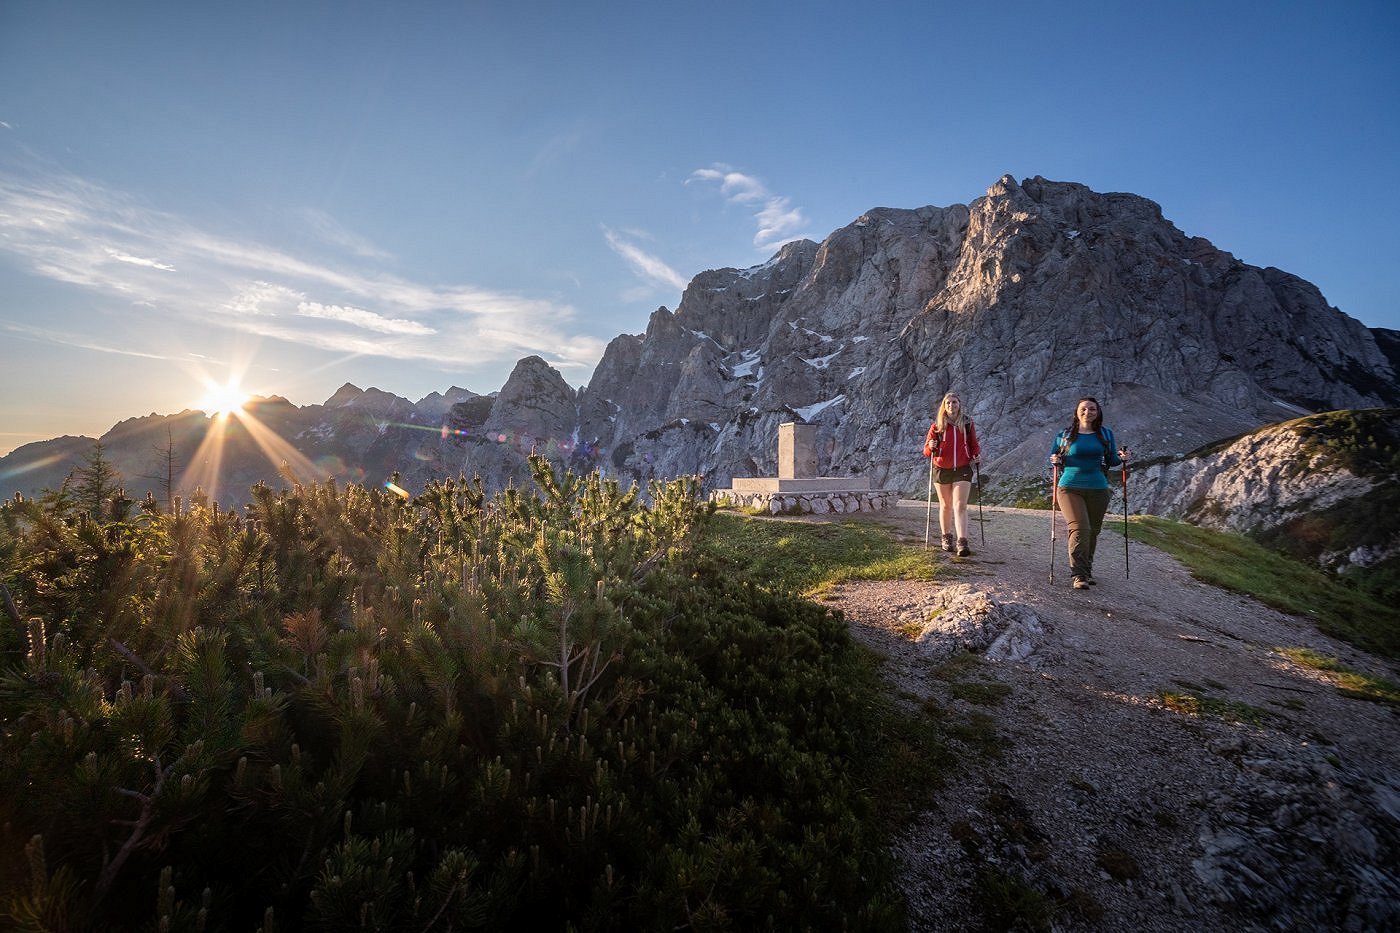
{"points": [[954, 448]]}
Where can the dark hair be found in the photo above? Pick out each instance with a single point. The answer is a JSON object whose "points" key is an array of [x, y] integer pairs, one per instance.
{"points": [[1074, 419]]}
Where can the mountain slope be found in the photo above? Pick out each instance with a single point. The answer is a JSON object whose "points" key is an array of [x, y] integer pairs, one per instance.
{"points": [[1325, 488], [1023, 301]]}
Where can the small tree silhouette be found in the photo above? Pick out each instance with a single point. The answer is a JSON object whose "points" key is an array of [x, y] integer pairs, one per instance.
{"points": [[97, 482]]}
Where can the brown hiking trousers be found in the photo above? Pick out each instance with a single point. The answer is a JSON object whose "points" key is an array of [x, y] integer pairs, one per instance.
{"points": [[1084, 510]]}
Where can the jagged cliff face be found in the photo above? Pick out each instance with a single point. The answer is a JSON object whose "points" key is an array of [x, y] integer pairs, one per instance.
{"points": [[1023, 301], [813, 334]]}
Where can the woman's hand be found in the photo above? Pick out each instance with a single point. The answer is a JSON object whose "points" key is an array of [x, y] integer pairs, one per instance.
{"points": [[1057, 459]]}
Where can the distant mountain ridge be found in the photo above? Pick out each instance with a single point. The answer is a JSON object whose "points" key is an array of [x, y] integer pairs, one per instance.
{"points": [[1022, 301]]}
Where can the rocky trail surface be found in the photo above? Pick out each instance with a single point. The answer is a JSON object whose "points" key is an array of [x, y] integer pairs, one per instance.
{"points": [[1158, 763]]}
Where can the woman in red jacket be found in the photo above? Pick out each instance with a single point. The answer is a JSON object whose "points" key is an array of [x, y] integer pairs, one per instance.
{"points": [[952, 442]]}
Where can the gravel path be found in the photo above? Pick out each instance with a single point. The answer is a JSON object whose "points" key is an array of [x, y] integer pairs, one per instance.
{"points": [[1277, 805]]}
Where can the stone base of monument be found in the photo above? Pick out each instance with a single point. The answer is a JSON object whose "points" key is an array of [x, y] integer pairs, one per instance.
{"points": [[795, 490], [818, 495]]}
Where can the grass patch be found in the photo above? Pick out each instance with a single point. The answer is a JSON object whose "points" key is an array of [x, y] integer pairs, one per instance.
{"points": [[1009, 902], [981, 692], [977, 731], [1351, 682], [1236, 563], [1365, 441], [812, 557], [911, 630], [1323, 536], [958, 670], [1120, 865], [958, 666], [1193, 704]]}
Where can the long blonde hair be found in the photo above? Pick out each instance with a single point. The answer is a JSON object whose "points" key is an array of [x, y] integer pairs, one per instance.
{"points": [[943, 413]]}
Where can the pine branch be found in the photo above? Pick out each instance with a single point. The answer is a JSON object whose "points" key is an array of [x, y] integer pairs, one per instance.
{"points": [[140, 825], [131, 656], [11, 609]]}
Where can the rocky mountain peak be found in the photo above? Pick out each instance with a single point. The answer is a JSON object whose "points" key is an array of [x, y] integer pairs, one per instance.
{"points": [[343, 396], [437, 404], [535, 402], [1025, 300]]}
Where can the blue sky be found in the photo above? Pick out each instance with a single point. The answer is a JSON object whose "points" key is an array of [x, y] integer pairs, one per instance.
{"points": [[416, 195]]}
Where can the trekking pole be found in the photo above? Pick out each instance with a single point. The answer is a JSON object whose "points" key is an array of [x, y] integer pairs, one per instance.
{"points": [[1054, 481], [981, 526], [928, 516], [1123, 465]]}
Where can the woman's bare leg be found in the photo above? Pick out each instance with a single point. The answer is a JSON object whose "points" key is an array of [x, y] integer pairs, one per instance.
{"points": [[946, 496], [961, 493]]}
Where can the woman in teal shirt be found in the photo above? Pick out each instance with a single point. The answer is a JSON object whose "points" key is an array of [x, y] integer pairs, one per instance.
{"points": [[1083, 452]]}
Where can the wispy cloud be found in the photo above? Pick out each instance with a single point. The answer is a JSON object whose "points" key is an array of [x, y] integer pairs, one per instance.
{"points": [[137, 260], [359, 317], [555, 149], [644, 264], [69, 230], [778, 221], [333, 232], [80, 342]]}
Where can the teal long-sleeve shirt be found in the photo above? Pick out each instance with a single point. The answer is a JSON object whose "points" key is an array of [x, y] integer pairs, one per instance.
{"points": [[1085, 459]]}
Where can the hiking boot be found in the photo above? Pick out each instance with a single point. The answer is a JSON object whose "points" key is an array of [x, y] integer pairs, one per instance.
{"points": [[1080, 583], [1092, 581], [948, 543], [963, 549]]}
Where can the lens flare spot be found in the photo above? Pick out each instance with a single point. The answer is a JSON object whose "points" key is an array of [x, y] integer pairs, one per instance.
{"points": [[332, 464]]}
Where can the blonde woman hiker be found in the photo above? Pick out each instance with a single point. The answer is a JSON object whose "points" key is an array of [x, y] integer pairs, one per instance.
{"points": [[952, 443]]}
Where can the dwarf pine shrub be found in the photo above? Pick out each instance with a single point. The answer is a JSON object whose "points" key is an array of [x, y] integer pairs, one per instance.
{"points": [[542, 709]]}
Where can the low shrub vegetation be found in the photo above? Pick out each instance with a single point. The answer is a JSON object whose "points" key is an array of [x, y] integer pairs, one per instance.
{"points": [[561, 708]]}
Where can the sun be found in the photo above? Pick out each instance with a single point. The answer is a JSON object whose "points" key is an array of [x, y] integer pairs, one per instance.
{"points": [[224, 400]]}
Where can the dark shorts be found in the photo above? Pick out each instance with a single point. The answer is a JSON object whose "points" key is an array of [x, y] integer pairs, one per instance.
{"points": [[962, 474]]}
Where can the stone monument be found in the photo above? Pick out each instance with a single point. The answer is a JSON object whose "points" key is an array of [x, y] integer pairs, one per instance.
{"points": [[797, 488]]}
